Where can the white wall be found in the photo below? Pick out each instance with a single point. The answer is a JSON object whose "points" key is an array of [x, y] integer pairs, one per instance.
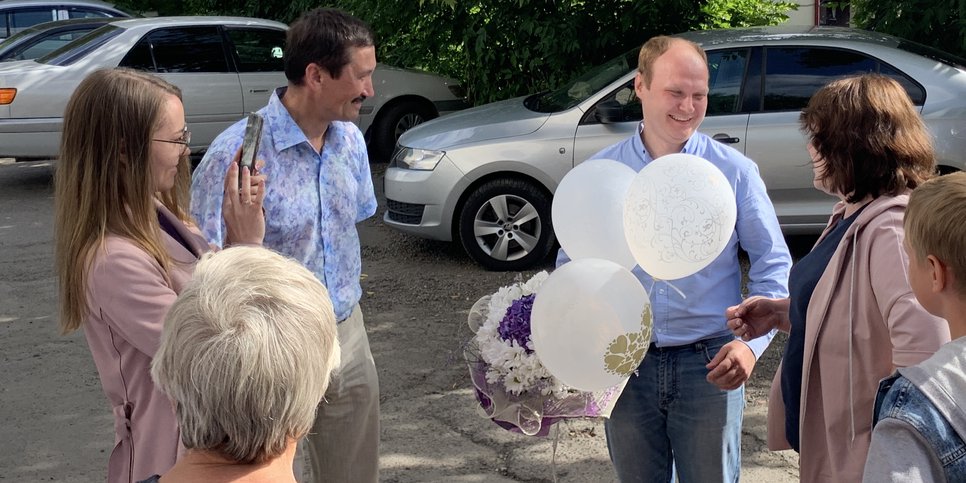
{"points": [[805, 15]]}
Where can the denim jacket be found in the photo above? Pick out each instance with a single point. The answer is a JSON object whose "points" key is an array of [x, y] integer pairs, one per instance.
{"points": [[914, 439]]}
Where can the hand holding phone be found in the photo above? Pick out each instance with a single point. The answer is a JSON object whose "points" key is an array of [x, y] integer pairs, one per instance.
{"points": [[253, 134]]}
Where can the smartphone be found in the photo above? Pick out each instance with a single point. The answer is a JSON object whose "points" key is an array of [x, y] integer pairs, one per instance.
{"points": [[253, 133]]}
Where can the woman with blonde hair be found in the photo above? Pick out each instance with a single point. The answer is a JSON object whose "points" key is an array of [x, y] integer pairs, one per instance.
{"points": [[246, 356], [851, 315], [125, 245]]}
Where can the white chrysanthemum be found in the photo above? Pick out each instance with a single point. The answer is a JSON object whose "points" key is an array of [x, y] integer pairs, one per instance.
{"points": [[507, 362]]}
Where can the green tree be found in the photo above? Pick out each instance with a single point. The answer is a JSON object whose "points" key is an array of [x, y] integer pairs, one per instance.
{"points": [[506, 48], [940, 24]]}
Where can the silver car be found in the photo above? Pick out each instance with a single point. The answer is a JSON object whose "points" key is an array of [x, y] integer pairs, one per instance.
{"points": [[486, 176], [225, 67], [17, 15]]}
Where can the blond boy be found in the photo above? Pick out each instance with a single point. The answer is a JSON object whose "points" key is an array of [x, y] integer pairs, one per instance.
{"points": [[921, 410]]}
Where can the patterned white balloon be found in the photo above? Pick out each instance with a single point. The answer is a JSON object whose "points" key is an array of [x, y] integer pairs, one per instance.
{"points": [[591, 324], [679, 214], [587, 211]]}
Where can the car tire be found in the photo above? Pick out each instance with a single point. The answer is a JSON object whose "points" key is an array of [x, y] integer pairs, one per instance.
{"points": [[505, 225], [392, 122]]}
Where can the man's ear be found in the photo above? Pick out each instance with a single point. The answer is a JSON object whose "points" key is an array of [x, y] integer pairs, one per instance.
{"points": [[940, 275], [313, 74], [639, 84]]}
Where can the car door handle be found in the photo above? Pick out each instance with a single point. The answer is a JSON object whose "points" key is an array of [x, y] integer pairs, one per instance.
{"points": [[725, 139], [258, 91]]}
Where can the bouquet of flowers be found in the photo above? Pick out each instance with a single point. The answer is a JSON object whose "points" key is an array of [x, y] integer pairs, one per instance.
{"points": [[513, 388]]}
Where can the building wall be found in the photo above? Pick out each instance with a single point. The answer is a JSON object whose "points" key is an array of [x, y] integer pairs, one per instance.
{"points": [[805, 15]]}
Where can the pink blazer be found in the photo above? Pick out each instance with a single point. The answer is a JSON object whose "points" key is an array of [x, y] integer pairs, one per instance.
{"points": [[128, 297], [862, 321]]}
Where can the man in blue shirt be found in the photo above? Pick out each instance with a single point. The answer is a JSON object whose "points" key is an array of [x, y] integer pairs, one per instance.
{"points": [[682, 409], [318, 187]]}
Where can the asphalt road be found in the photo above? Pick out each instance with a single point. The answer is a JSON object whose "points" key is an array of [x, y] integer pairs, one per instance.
{"points": [[55, 424]]}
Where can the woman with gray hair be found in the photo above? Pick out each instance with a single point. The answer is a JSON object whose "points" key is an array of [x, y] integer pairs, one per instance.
{"points": [[245, 356]]}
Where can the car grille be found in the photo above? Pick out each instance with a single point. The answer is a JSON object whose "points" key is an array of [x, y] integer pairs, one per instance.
{"points": [[408, 213]]}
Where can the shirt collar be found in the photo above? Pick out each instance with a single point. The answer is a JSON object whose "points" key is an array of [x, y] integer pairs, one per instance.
{"points": [[285, 132], [692, 146]]}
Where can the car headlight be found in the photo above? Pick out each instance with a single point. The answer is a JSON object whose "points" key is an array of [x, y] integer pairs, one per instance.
{"points": [[415, 158]]}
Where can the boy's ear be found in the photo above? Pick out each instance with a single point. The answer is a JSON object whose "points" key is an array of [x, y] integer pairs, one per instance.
{"points": [[939, 272]]}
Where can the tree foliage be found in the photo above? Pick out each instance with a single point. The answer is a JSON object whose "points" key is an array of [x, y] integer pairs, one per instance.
{"points": [[937, 23], [505, 48]]}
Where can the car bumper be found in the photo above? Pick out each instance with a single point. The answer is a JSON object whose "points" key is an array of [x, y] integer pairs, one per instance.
{"points": [[30, 138], [422, 202]]}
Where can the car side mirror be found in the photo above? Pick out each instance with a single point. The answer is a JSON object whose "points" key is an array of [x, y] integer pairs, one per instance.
{"points": [[608, 112]]}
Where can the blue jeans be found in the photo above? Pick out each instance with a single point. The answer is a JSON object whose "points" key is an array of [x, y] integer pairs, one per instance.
{"points": [[670, 413]]}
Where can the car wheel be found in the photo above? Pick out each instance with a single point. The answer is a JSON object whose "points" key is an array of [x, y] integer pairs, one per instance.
{"points": [[505, 225], [392, 122]]}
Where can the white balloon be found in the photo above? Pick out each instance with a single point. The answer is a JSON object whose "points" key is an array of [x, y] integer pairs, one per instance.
{"points": [[591, 324], [679, 215], [587, 211]]}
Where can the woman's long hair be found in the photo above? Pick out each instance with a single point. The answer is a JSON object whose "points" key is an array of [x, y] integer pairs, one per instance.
{"points": [[103, 182]]}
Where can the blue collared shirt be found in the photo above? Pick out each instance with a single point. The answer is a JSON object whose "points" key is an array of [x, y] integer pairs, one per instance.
{"points": [[312, 202], [679, 320]]}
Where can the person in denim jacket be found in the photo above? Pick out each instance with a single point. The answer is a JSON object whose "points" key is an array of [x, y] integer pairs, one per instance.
{"points": [[920, 420]]}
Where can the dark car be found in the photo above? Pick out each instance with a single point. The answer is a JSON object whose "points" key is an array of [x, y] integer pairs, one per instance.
{"points": [[44, 38]]}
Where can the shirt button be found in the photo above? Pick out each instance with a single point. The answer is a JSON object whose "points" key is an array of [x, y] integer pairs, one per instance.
{"points": [[661, 291]]}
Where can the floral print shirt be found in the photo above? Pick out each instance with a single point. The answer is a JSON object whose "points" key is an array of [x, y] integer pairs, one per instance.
{"points": [[313, 200]]}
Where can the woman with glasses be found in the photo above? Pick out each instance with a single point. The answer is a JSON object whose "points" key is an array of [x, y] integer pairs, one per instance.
{"points": [[125, 245]]}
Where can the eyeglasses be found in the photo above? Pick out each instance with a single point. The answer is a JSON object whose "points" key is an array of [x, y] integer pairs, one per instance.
{"points": [[184, 140]]}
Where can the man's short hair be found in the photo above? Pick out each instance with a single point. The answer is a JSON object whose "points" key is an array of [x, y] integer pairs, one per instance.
{"points": [[656, 47], [323, 36], [935, 224], [246, 354], [870, 136]]}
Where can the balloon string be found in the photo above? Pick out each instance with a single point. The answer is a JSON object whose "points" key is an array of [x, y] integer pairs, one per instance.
{"points": [[669, 284], [553, 456]]}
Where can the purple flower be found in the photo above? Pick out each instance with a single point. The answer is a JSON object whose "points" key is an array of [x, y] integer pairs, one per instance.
{"points": [[515, 325]]}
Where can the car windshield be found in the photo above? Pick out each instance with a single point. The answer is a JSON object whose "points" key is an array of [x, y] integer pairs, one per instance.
{"points": [[933, 53], [77, 49], [578, 90], [15, 38]]}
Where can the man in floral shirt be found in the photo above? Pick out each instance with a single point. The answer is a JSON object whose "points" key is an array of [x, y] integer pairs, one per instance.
{"points": [[318, 187]]}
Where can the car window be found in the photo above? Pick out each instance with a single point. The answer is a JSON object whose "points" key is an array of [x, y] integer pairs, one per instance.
{"points": [[793, 74], [44, 46], [578, 90], [79, 48], [80, 12], [727, 71], [179, 49], [915, 91], [933, 53], [28, 17], [726, 68], [258, 50]]}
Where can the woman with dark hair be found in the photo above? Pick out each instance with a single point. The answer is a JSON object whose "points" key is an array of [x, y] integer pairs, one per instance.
{"points": [[851, 315], [126, 246]]}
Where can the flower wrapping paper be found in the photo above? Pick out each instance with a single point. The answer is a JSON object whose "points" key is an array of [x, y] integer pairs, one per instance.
{"points": [[512, 386]]}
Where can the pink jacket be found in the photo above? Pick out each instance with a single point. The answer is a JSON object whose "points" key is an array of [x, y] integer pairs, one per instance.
{"points": [[862, 321], [128, 297]]}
